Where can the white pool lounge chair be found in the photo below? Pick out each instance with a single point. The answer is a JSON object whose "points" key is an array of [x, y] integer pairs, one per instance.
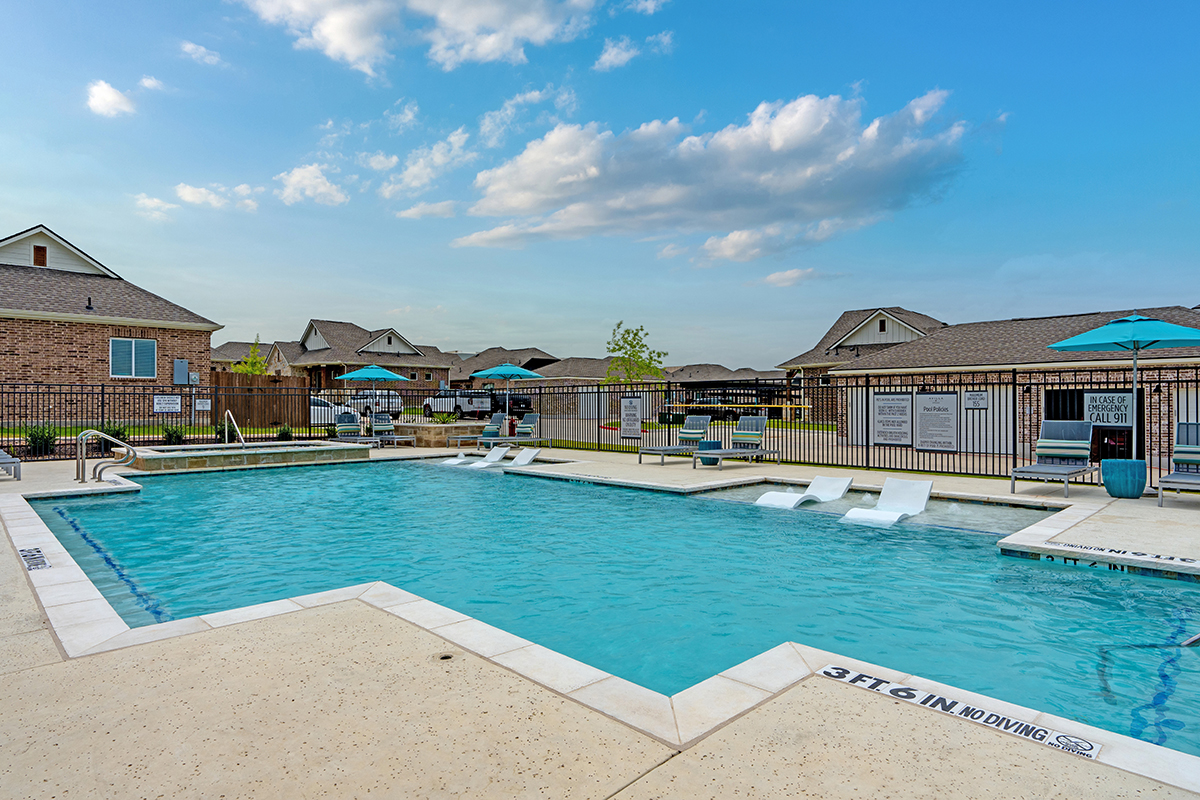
{"points": [[695, 428], [1185, 461], [521, 459], [822, 490], [458, 459], [899, 500], [494, 455], [1064, 451]]}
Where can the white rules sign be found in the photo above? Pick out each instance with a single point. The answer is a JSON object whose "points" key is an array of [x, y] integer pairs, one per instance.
{"points": [[892, 418], [631, 417], [1109, 408]]}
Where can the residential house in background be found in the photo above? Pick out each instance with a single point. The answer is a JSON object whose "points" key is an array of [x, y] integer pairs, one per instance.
{"points": [[67, 318], [329, 348], [225, 357], [861, 333], [529, 358]]}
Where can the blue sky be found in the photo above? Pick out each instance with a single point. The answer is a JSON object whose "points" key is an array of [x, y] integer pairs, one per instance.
{"points": [[528, 172]]}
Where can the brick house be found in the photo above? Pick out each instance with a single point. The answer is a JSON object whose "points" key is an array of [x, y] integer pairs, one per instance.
{"points": [[65, 318], [328, 349]]}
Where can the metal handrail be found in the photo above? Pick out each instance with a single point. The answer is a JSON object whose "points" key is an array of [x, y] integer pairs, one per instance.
{"points": [[98, 469], [229, 416]]}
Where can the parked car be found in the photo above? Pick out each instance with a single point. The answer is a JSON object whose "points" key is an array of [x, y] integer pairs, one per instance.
{"points": [[377, 401], [463, 402], [323, 412]]}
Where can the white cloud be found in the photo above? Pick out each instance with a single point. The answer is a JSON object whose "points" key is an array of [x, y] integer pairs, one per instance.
{"points": [[200, 54], [795, 172], [422, 210], [199, 196], [645, 6], [662, 42], [245, 190], [378, 161], [106, 101], [152, 208], [248, 205], [405, 118], [309, 181], [495, 124], [356, 32], [148, 82], [616, 53], [671, 251], [789, 277], [425, 164]]}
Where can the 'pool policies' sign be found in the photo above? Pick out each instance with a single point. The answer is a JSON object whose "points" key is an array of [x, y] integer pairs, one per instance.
{"points": [[631, 417]]}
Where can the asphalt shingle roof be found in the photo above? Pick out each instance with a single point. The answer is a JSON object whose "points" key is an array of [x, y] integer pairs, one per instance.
{"points": [[1017, 341], [52, 291], [848, 321], [345, 339], [530, 358]]}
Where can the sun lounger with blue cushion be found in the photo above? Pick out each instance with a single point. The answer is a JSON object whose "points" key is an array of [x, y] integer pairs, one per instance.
{"points": [[1185, 461], [526, 433], [490, 431], [347, 429], [383, 429], [823, 489], [899, 500], [694, 429], [1064, 451], [747, 443]]}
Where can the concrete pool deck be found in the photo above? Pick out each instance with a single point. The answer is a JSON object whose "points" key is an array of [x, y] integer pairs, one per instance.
{"points": [[347, 695]]}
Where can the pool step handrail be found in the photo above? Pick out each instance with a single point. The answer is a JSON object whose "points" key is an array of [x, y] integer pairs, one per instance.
{"points": [[1191, 642], [98, 469], [232, 421]]}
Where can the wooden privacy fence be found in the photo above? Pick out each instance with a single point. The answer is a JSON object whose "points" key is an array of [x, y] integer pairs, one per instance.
{"points": [[261, 401]]}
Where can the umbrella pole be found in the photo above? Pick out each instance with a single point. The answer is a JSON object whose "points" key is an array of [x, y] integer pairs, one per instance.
{"points": [[1137, 418]]}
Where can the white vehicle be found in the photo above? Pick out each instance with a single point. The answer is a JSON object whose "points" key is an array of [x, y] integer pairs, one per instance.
{"points": [[377, 401], [463, 402], [323, 412]]}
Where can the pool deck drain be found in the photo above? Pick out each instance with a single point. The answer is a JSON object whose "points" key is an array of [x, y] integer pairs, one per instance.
{"points": [[763, 728]]}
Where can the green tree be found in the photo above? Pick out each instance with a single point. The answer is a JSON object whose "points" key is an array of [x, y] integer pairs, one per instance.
{"points": [[633, 360], [254, 363]]}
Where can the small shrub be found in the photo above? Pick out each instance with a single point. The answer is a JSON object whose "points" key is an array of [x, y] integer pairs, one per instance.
{"points": [[41, 439], [330, 431], [115, 430], [284, 434], [444, 418], [226, 433], [174, 434]]}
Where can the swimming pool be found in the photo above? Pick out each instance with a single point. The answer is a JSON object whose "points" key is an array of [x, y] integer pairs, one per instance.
{"points": [[661, 589]]}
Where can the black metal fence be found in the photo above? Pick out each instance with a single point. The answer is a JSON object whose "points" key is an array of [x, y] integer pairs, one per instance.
{"points": [[981, 423]]}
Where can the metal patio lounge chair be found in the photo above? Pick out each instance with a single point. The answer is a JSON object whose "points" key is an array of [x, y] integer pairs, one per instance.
{"points": [[346, 428], [747, 443], [695, 428], [490, 431], [900, 499], [384, 429], [823, 489], [1064, 451], [1185, 461], [526, 433], [11, 465]]}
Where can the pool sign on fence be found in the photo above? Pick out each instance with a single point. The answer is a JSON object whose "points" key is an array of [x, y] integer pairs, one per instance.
{"points": [[1109, 408], [1070, 743], [893, 418], [937, 421], [631, 417], [168, 404]]}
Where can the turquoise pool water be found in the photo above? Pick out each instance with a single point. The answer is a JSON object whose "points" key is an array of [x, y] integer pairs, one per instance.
{"points": [[660, 589]]}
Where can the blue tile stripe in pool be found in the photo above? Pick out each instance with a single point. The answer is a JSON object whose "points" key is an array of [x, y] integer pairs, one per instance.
{"points": [[661, 589]]}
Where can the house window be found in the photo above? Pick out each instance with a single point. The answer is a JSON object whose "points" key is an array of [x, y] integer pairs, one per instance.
{"points": [[883, 326], [133, 358], [39, 255], [412, 376], [389, 340], [428, 376]]}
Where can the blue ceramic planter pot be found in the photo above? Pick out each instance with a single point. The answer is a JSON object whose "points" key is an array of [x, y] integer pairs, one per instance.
{"points": [[1123, 477], [709, 444]]}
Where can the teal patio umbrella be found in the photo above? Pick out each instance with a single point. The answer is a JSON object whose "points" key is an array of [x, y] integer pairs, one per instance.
{"points": [[1134, 334], [374, 374], [506, 373]]}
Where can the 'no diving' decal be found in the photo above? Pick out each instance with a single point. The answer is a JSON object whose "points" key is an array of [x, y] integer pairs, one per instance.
{"points": [[957, 708]]}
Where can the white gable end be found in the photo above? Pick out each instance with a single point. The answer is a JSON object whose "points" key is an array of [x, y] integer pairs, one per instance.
{"points": [[391, 342], [880, 328], [58, 256], [313, 340]]}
